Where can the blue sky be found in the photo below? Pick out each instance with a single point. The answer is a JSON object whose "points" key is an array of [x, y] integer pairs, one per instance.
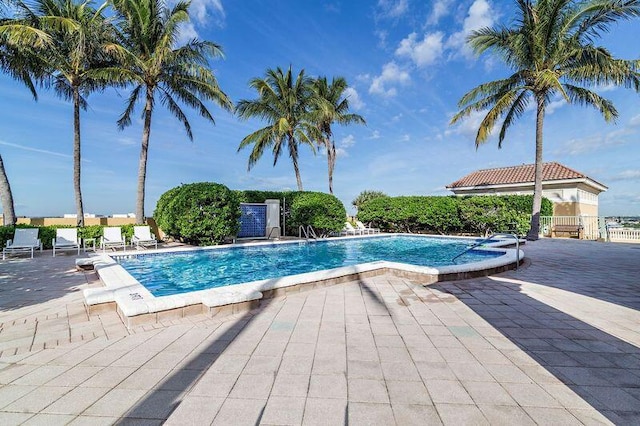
{"points": [[407, 65]]}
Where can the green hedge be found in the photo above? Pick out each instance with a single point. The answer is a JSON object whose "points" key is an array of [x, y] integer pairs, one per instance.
{"points": [[324, 212], [451, 214], [202, 213], [48, 233]]}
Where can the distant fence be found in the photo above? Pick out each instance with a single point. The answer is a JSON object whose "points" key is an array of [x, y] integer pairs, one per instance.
{"points": [[593, 228], [622, 235]]}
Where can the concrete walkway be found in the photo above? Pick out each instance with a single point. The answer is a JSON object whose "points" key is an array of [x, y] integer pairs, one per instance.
{"points": [[557, 342]]}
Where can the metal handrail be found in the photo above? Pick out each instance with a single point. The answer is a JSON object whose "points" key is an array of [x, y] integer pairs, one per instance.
{"points": [[499, 235], [308, 232], [271, 232]]}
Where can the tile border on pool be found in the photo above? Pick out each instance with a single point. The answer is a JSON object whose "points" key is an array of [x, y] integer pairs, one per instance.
{"points": [[136, 305]]}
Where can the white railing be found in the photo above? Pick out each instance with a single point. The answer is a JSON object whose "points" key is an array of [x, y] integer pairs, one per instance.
{"points": [[624, 235], [591, 229]]}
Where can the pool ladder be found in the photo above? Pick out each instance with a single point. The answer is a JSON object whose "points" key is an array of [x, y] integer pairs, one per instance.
{"points": [[307, 231], [489, 238]]}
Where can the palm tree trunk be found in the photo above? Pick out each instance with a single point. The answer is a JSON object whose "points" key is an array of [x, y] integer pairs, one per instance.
{"points": [[534, 232], [144, 151], [8, 212], [76, 157], [293, 153], [331, 158]]}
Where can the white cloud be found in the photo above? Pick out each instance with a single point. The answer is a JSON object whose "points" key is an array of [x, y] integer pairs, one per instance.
{"points": [[348, 141], [469, 126], [554, 105], [422, 52], [341, 153], [405, 138], [354, 99], [204, 11], [382, 38], [344, 144], [126, 141], [396, 118], [597, 142], [375, 135], [38, 150], [393, 8], [627, 175], [441, 8], [479, 16], [187, 33], [391, 74]]}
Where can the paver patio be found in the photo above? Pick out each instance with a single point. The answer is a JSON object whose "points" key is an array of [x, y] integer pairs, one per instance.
{"points": [[556, 342]]}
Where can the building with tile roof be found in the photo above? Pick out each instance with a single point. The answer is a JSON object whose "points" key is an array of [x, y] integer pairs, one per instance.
{"points": [[572, 193]]}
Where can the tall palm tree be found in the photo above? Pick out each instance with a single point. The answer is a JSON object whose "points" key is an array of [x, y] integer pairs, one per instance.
{"points": [[81, 41], [17, 41], [332, 107], [551, 51], [285, 103], [157, 67]]}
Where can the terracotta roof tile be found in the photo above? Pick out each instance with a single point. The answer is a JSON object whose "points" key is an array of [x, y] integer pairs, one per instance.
{"points": [[517, 174]]}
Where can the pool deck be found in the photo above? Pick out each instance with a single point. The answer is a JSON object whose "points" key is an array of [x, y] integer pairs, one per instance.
{"points": [[556, 342]]}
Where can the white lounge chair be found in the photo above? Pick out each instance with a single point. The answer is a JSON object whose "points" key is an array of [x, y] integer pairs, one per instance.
{"points": [[365, 229], [24, 240], [112, 238], [143, 237], [66, 239], [350, 230]]}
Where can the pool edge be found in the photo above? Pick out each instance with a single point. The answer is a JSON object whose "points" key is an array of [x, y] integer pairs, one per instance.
{"points": [[137, 306]]}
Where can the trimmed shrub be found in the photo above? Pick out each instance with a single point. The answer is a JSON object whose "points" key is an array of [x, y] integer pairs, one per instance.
{"points": [[365, 196], [324, 212], [199, 213], [481, 214], [411, 214], [451, 214], [524, 204]]}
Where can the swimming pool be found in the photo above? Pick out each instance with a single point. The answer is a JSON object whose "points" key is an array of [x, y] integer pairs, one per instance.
{"points": [[175, 273], [237, 288]]}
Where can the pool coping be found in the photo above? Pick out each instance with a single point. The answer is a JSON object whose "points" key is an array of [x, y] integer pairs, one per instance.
{"points": [[136, 305]]}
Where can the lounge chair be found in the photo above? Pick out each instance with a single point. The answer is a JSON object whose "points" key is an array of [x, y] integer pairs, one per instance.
{"points": [[365, 229], [350, 230], [112, 238], [24, 240], [143, 237], [66, 239]]}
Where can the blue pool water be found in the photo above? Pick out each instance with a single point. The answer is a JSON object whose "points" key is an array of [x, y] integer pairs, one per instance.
{"points": [[173, 273]]}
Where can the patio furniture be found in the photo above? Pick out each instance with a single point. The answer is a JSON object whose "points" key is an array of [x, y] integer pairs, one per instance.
{"points": [[366, 229], [24, 240], [112, 238], [350, 230], [143, 237], [66, 239]]}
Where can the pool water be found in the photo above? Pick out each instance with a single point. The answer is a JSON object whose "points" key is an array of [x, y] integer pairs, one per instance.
{"points": [[174, 273]]}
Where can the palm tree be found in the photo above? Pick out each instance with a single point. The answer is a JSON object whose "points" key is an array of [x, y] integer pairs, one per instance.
{"points": [[333, 107], [285, 104], [551, 51], [158, 68], [81, 39], [16, 59]]}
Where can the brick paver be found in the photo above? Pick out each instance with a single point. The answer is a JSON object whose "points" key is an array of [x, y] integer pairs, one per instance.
{"points": [[556, 342]]}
